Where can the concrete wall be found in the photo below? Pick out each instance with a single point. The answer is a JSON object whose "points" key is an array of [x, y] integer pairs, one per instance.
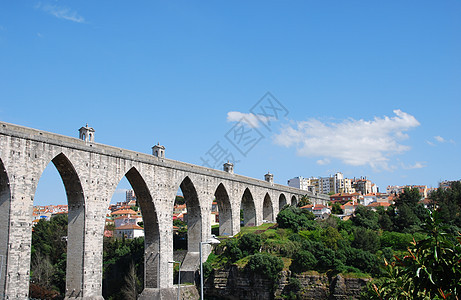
{"points": [[91, 173]]}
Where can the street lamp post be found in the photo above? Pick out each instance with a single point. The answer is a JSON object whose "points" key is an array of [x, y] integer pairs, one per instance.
{"points": [[179, 276], [211, 241]]}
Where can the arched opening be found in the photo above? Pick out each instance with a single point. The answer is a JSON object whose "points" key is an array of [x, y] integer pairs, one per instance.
{"points": [[224, 213], [282, 201], [5, 200], [268, 211], [294, 201], [190, 215], [58, 234], [248, 210], [131, 250]]}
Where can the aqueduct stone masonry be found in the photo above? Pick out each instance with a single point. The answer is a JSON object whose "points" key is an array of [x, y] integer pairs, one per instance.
{"points": [[90, 173]]}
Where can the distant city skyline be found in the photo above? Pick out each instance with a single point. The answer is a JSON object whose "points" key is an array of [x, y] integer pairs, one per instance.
{"points": [[363, 88]]}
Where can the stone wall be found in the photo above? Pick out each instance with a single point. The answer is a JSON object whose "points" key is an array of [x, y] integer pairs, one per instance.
{"points": [[232, 284]]}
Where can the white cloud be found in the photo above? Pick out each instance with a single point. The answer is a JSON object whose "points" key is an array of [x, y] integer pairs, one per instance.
{"points": [[248, 119], [439, 139], [417, 165], [354, 142], [324, 161], [61, 12]]}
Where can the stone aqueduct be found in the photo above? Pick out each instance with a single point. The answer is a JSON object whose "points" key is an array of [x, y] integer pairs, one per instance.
{"points": [[90, 173]]}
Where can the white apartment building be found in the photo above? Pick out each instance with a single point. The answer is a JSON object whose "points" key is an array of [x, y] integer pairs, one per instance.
{"points": [[299, 182], [332, 184]]}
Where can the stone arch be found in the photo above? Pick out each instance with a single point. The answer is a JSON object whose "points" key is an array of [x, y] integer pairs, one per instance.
{"points": [[224, 209], [294, 201], [249, 209], [5, 201], [282, 201], [268, 209], [76, 224], [151, 228], [194, 214]]}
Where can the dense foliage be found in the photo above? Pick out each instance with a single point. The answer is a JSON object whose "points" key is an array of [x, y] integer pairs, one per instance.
{"points": [[123, 262], [48, 257], [448, 203], [266, 264], [123, 267], [431, 268], [410, 252], [295, 218]]}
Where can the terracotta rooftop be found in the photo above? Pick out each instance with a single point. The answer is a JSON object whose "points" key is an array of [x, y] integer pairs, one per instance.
{"points": [[307, 206], [129, 226], [124, 212], [376, 204]]}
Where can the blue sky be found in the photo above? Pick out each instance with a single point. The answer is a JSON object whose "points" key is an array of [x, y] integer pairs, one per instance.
{"points": [[370, 89]]}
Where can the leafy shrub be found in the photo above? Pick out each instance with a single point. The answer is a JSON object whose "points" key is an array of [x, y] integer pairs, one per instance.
{"points": [[366, 239], [360, 259], [313, 235], [327, 260], [365, 217], [249, 244], [396, 240], [266, 264], [232, 250], [207, 269], [303, 261], [330, 237], [431, 270], [295, 218], [285, 248]]}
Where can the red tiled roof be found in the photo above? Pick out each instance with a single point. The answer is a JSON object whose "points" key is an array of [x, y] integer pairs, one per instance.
{"points": [[129, 226], [375, 204], [307, 206], [124, 212]]}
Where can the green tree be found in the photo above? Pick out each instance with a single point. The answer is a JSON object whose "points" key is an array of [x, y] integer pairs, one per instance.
{"points": [[179, 200], [48, 253], [303, 261], [366, 239], [386, 218], [406, 219], [396, 240], [360, 259], [305, 200], [232, 250], [330, 237], [295, 218], [266, 264], [336, 209], [408, 197], [249, 243], [132, 286], [431, 270], [119, 254], [327, 260], [365, 217], [448, 203]]}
